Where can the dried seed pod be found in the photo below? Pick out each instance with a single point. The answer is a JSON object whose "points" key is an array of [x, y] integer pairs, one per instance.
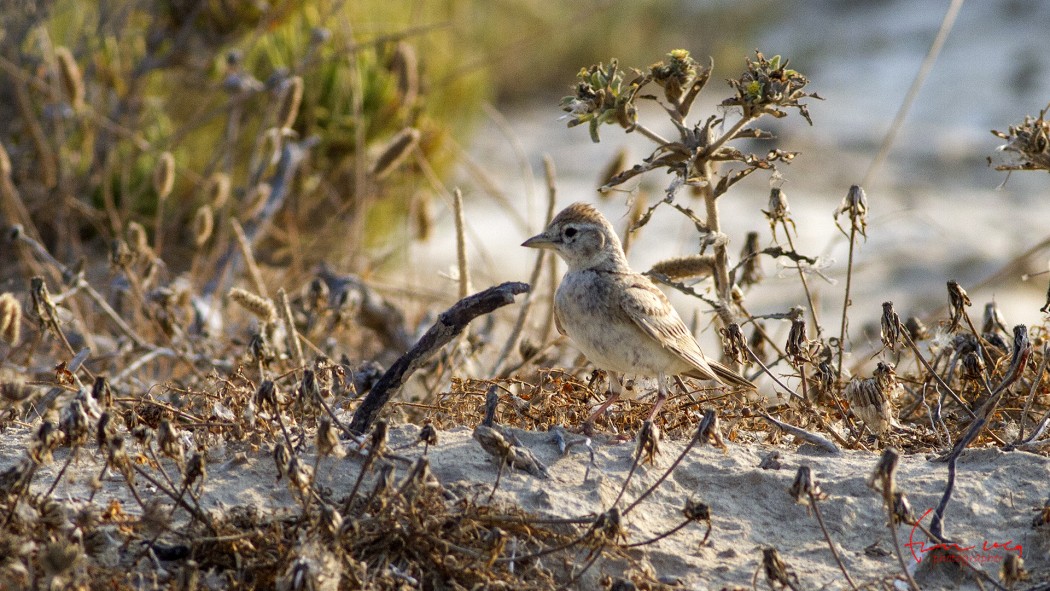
{"points": [[331, 522], [733, 345], [69, 74], [901, 510], [328, 439], [778, 573], [797, 347], [281, 456], [869, 402], [290, 96], [101, 392], [45, 440], [168, 441], [300, 475], [608, 527], [993, 319], [855, 204], [74, 423], [917, 330], [262, 308], [266, 397], [696, 511], [778, 211], [196, 470], [687, 267], [957, 302], [648, 442], [395, 152], [805, 488], [217, 190], [616, 165], [10, 319], [164, 175], [104, 430], [891, 326], [203, 225]]}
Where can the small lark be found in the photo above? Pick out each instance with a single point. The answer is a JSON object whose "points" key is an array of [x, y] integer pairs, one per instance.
{"points": [[618, 318]]}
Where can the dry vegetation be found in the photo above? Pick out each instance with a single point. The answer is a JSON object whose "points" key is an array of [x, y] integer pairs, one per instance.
{"points": [[140, 327]]}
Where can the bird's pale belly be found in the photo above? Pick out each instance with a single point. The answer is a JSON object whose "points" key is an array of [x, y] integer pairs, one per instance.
{"points": [[609, 339]]}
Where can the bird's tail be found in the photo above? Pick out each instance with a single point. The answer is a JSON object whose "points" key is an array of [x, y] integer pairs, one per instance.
{"points": [[728, 376]]}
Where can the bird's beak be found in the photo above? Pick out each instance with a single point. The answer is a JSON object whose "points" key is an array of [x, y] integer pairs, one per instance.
{"points": [[539, 241]]}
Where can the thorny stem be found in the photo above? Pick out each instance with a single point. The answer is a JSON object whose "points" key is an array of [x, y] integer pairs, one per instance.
{"points": [[820, 520]]}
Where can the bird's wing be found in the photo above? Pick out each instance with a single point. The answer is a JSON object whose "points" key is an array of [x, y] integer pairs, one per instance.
{"points": [[557, 322], [652, 312]]}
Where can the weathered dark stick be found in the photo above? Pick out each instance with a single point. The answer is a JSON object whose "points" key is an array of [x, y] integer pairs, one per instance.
{"points": [[1022, 351], [450, 323]]}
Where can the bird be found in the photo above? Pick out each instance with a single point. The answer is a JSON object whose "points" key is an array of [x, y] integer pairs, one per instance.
{"points": [[618, 318]]}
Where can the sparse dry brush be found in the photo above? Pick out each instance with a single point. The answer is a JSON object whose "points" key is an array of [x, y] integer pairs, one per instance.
{"points": [[145, 335]]}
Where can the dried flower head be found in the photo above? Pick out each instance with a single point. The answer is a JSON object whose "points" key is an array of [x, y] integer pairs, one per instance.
{"points": [[855, 205], [262, 308], [779, 211], [797, 347], [1028, 143], [734, 346], [957, 302], [767, 86], [891, 327], [805, 488], [328, 439], [993, 319], [601, 96], [648, 442], [870, 402], [778, 573], [901, 510], [695, 266]]}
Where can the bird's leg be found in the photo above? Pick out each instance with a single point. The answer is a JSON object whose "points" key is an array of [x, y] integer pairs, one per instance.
{"points": [[661, 395], [614, 395]]}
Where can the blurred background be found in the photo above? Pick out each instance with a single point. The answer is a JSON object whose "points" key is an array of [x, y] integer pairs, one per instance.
{"points": [[396, 102]]}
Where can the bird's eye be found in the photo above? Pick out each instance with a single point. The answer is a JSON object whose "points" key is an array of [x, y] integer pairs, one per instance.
{"points": [[570, 232]]}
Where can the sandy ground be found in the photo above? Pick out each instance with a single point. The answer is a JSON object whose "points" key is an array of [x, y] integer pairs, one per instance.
{"points": [[997, 496]]}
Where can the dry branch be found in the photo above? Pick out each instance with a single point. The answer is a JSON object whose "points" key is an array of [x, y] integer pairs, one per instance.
{"points": [[450, 323]]}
